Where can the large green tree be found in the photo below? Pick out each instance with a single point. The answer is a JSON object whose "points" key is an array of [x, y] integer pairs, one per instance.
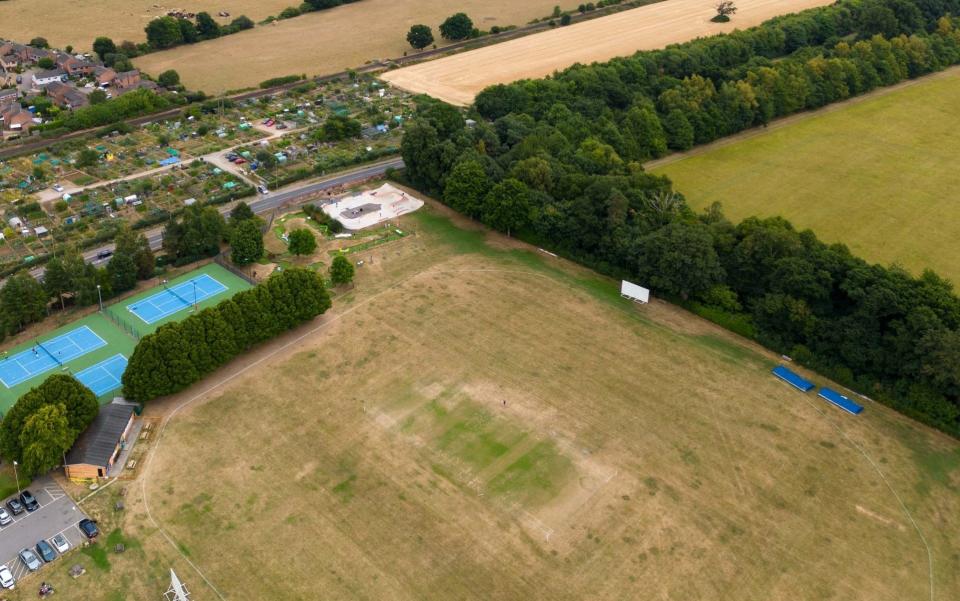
{"points": [[302, 242], [457, 27], [23, 301], [506, 206], [104, 46], [246, 242], [163, 32], [420, 36], [197, 234], [45, 437], [341, 270]]}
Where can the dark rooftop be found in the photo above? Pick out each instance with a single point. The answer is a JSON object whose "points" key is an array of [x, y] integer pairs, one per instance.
{"points": [[97, 443]]}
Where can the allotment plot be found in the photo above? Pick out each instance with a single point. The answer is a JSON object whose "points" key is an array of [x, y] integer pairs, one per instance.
{"points": [[47, 355], [174, 299]]}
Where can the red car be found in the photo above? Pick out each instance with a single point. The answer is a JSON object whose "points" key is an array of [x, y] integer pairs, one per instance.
{"points": [[270, 122], [240, 161]]}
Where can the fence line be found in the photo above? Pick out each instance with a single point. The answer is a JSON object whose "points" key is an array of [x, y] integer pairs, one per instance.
{"points": [[122, 323], [223, 262]]}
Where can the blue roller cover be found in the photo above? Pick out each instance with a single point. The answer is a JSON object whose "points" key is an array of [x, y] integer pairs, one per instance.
{"points": [[839, 400], [792, 379]]}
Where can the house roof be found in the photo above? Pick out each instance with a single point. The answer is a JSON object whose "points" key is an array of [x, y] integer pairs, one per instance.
{"points": [[49, 74], [99, 440]]}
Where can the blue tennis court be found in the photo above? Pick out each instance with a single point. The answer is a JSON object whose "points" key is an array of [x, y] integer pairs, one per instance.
{"points": [[104, 376], [46, 355], [176, 298]]}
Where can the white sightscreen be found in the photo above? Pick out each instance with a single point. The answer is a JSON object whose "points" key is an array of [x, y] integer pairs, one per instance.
{"points": [[632, 291]]}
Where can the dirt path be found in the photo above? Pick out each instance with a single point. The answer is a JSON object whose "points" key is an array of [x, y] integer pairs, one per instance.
{"points": [[457, 79]]}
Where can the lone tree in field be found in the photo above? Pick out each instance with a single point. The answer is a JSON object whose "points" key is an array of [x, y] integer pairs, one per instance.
{"points": [[725, 8], [457, 27], [341, 270], [420, 36], [246, 242], [302, 242]]}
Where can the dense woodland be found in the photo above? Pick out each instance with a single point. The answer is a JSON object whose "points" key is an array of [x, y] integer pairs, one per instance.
{"points": [[558, 162]]}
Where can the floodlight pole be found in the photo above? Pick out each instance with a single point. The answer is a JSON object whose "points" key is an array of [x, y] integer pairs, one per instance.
{"points": [[17, 476], [100, 298]]}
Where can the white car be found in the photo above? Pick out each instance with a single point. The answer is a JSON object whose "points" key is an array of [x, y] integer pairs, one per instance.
{"points": [[6, 578], [60, 543], [57, 188], [4, 517]]}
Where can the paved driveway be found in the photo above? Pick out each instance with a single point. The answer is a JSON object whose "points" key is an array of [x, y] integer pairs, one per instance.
{"points": [[57, 514]]}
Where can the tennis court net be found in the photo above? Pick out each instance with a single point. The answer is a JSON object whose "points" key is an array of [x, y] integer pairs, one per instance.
{"points": [[49, 353], [183, 300]]}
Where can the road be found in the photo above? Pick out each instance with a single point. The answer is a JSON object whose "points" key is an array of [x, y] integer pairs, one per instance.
{"points": [[263, 204]]}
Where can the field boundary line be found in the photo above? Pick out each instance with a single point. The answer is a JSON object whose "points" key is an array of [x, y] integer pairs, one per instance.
{"points": [[226, 379], [883, 477]]}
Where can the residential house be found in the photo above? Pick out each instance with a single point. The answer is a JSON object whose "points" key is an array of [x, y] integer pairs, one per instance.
{"points": [[74, 66], [66, 96], [43, 78], [29, 54], [8, 60], [127, 80], [16, 118], [8, 96], [104, 75]]}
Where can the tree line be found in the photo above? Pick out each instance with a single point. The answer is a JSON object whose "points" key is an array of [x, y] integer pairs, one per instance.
{"points": [[557, 162], [70, 281], [45, 422], [180, 353]]}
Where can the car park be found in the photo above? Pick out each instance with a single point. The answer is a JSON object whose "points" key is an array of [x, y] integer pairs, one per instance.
{"points": [[29, 501], [29, 559], [16, 508], [5, 517], [6, 578], [89, 528], [45, 551], [60, 543]]}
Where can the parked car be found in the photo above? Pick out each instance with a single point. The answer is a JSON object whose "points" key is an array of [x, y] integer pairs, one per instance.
{"points": [[270, 122], [5, 518], [261, 189], [57, 188], [6, 578], [15, 507], [240, 161], [30, 560], [46, 551], [60, 543], [281, 126], [104, 254], [29, 501], [267, 121], [89, 528]]}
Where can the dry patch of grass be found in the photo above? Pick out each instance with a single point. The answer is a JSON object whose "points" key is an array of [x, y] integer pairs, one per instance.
{"points": [[327, 41], [457, 79], [632, 459]]}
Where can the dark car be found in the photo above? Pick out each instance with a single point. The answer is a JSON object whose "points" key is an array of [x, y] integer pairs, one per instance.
{"points": [[89, 528], [104, 254], [16, 508], [46, 551], [29, 501]]}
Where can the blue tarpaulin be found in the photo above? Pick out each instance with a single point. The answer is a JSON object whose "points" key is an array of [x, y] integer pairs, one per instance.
{"points": [[792, 379], [839, 400], [169, 161]]}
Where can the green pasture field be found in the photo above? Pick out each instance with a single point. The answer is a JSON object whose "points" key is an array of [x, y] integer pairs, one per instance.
{"points": [[131, 323], [878, 174]]}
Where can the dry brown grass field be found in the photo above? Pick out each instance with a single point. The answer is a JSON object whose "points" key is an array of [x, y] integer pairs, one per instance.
{"points": [[327, 41], [478, 421], [457, 79], [65, 22]]}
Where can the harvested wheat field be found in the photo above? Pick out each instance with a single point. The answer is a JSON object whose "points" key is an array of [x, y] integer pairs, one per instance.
{"points": [[76, 23], [477, 421], [327, 41], [457, 79]]}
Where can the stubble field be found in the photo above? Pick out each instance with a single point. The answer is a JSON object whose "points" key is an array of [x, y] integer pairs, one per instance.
{"points": [[640, 453], [876, 174], [328, 41], [65, 22], [458, 79]]}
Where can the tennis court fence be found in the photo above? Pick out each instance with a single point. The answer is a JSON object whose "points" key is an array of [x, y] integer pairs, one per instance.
{"points": [[121, 323], [222, 261]]}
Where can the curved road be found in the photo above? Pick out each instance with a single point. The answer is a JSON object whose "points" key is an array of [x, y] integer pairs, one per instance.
{"points": [[263, 204]]}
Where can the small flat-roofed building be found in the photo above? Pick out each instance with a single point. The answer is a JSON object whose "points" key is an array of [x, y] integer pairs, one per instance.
{"points": [[100, 444]]}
